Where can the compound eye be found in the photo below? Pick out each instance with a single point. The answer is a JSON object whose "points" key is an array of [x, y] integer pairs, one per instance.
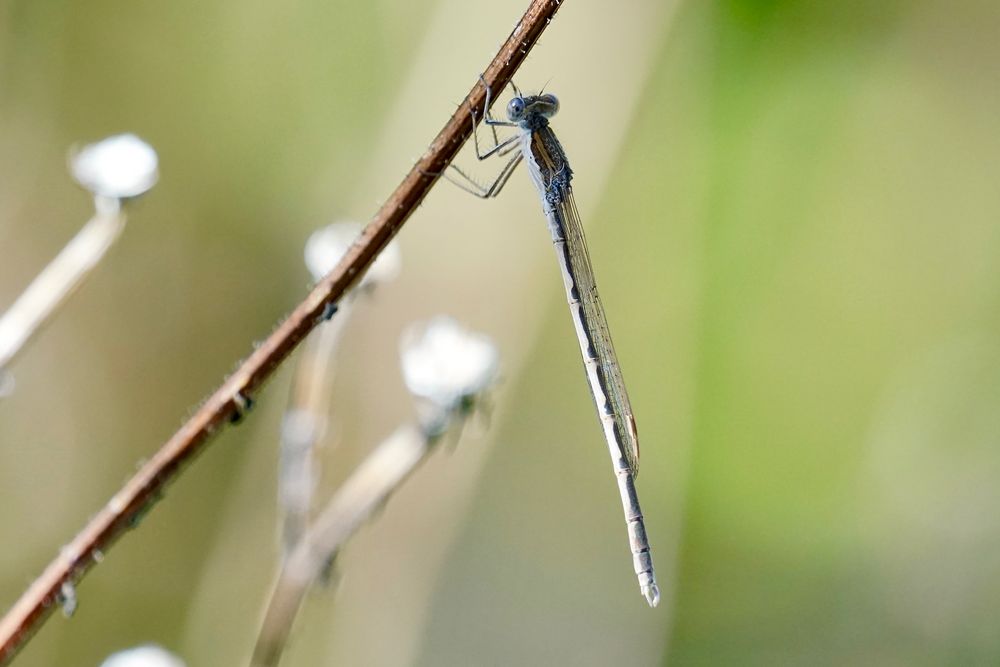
{"points": [[516, 108], [552, 102]]}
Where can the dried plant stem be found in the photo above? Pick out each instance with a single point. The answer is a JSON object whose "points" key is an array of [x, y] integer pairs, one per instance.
{"points": [[304, 426], [229, 400], [59, 279], [363, 493]]}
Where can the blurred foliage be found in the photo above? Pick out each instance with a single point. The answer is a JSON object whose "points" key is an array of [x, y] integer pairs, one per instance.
{"points": [[797, 246]]}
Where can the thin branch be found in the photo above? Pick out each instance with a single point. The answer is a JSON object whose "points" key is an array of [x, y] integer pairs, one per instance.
{"points": [[114, 171], [368, 488], [229, 400], [308, 413], [448, 370], [304, 426], [57, 281]]}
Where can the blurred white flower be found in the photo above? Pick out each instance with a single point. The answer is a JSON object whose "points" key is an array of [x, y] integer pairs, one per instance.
{"points": [[445, 363], [118, 167], [327, 246], [148, 655]]}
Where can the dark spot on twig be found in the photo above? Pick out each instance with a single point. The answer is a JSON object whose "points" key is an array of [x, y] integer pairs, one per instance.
{"points": [[243, 404], [329, 310], [136, 517], [67, 598]]}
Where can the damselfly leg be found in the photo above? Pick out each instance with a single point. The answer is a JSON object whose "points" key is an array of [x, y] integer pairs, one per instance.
{"points": [[499, 148]]}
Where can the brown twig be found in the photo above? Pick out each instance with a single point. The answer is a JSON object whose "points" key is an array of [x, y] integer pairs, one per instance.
{"points": [[233, 397]]}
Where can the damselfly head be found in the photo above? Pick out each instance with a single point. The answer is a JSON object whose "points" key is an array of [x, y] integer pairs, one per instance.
{"points": [[525, 107]]}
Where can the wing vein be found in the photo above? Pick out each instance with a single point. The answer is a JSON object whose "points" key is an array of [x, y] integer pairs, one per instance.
{"points": [[604, 374]]}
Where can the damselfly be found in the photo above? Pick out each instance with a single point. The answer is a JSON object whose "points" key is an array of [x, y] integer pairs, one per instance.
{"points": [[537, 146]]}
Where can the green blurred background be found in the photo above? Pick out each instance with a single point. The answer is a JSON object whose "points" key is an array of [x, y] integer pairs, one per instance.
{"points": [[794, 217]]}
